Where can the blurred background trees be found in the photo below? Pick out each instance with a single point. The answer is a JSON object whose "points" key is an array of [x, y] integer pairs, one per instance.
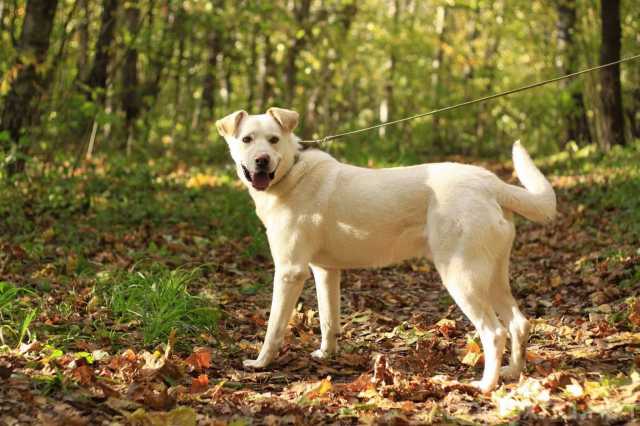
{"points": [[147, 78]]}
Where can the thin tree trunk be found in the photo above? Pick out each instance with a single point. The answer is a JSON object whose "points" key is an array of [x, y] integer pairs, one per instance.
{"points": [[441, 31], [613, 120], [180, 17], [158, 60], [253, 65], [633, 113], [387, 106], [21, 104], [2, 10], [576, 126], [269, 73], [98, 74], [301, 11], [130, 85], [210, 84], [83, 36]]}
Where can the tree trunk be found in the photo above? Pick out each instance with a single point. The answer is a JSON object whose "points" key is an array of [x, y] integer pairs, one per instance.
{"points": [[387, 106], [436, 77], [210, 84], [130, 88], [97, 78], [20, 105], [576, 126], [269, 73], [301, 11], [633, 113], [83, 36], [2, 9], [253, 66], [613, 120]]}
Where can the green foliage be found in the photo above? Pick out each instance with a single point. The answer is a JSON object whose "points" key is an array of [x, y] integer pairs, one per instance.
{"points": [[617, 183], [158, 301], [199, 60]]}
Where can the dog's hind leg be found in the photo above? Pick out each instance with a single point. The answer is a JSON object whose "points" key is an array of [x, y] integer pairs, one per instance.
{"points": [[328, 291], [518, 326], [467, 277]]}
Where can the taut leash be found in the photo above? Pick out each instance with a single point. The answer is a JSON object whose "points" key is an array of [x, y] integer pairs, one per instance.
{"points": [[471, 102]]}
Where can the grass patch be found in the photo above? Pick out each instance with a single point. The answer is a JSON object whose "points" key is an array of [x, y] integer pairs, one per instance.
{"points": [[613, 184], [158, 301]]}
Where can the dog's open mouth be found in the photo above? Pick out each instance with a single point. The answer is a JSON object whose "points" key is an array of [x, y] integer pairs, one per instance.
{"points": [[260, 180]]}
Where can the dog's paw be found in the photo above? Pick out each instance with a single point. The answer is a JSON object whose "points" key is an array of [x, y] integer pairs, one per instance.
{"points": [[254, 363], [510, 372], [482, 386], [320, 354]]}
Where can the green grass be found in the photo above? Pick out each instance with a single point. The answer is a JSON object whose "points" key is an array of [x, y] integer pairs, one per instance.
{"points": [[15, 315], [615, 182], [158, 301]]}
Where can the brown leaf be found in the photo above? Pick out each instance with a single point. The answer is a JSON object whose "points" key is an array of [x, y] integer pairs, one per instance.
{"points": [[199, 384], [382, 374], [200, 359], [634, 314], [83, 374]]}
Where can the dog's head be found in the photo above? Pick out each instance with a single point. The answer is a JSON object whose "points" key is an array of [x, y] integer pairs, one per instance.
{"points": [[262, 146]]}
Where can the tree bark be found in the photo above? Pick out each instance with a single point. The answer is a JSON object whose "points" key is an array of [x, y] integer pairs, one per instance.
{"points": [[210, 84], [2, 9], [253, 66], [269, 73], [633, 113], [131, 104], [97, 78], [576, 126], [301, 10], [613, 119], [20, 105], [83, 39]]}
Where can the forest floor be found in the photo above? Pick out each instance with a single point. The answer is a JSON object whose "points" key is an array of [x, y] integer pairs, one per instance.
{"points": [[131, 295]]}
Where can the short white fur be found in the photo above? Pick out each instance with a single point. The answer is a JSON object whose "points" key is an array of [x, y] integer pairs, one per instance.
{"points": [[325, 216]]}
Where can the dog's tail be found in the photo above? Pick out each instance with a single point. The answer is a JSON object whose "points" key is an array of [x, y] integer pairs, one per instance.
{"points": [[538, 201]]}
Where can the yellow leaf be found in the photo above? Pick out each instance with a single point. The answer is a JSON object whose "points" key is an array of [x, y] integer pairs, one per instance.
{"points": [[324, 387], [471, 358]]}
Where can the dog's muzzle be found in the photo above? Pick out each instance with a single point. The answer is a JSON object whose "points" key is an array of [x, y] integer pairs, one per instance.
{"points": [[260, 179]]}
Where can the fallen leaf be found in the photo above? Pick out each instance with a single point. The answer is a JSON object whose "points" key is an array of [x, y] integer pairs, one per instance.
{"points": [[200, 359], [181, 416], [199, 384]]}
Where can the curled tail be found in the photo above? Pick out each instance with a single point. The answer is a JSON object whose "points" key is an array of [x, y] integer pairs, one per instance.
{"points": [[537, 200]]}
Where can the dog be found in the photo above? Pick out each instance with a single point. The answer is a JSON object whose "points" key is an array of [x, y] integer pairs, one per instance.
{"points": [[326, 216]]}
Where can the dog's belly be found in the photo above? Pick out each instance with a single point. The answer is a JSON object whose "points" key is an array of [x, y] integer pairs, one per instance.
{"points": [[349, 247]]}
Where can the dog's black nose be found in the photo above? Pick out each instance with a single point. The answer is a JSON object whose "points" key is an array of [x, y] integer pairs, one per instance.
{"points": [[262, 162]]}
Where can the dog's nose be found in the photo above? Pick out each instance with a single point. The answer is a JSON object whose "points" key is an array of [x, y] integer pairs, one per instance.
{"points": [[262, 162]]}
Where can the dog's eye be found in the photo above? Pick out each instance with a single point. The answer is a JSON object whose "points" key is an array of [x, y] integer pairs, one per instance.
{"points": [[246, 139], [274, 140]]}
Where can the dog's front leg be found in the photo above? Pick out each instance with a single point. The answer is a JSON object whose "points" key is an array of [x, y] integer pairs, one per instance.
{"points": [[328, 291], [287, 286]]}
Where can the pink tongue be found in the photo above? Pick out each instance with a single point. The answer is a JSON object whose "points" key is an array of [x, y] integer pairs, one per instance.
{"points": [[260, 180]]}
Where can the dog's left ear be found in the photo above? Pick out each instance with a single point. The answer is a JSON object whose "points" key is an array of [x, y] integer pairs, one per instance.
{"points": [[286, 118], [228, 125]]}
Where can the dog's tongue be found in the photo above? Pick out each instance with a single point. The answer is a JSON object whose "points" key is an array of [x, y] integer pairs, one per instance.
{"points": [[260, 180]]}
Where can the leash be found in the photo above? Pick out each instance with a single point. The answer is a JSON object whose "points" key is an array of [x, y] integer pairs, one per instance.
{"points": [[474, 101]]}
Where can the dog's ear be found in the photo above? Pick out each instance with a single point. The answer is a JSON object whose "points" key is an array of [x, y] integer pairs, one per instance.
{"points": [[286, 118], [228, 125]]}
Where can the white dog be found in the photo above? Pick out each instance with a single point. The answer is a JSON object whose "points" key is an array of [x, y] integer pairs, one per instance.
{"points": [[326, 216]]}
